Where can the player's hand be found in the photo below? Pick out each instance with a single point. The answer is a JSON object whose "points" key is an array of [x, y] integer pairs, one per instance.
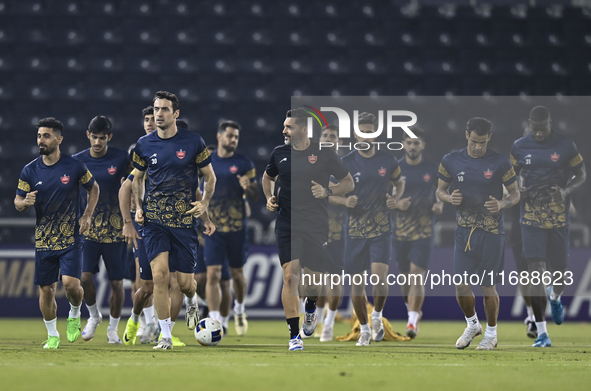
{"points": [[558, 194], [456, 197], [272, 204], [391, 202], [493, 205], [437, 208], [209, 228], [522, 193], [351, 202], [244, 181], [31, 198], [84, 224], [130, 234], [403, 203], [199, 207], [318, 191], [139, 216]]}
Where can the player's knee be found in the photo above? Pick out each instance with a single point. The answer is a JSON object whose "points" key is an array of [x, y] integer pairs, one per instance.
{"points": [[116, 285], [147, 288], [86, 279], [463, 290], [72, 286], [237, 274], [160, 277], [214, 275], [201, 278], [289, 278], [47, 291]]}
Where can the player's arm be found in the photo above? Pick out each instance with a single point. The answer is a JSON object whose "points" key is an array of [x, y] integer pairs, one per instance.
{"points": [[209, 179], [494, 206], [207, 224], [398, 183], [129, 231], [137, 187], [93, 196], [454, 198], [268, 187], [579, 177], [249, 185]]}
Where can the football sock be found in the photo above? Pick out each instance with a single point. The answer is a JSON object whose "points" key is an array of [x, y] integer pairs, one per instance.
{"points": [[310, 305], [165, 325], [215, 315], [135, 317], [142, 320], [93, 311], [51, 327], [413, 318], [149, 314], [554, 296], [172, 326], [294, 326], [113, 323], [491, 331], [530, 313], [473, 321], [74, 311], [192, 300], [330, 315], [238, 308], [225, 321], [320, 315], [365, 328], [376, 314], [541, 326]]}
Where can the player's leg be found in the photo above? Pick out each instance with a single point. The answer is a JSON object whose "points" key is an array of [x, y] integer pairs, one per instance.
{"points": [[237, 254], [401, 250], [321, 304], [291, 301], [521, 267], [91, 255], [558, 248], [213, 291], [70, 262], [312, 287], [335, 267], [416, 296], [360, 307], [380, 294], [357, 259], [161, 277], [226, 303], [114, 255]]}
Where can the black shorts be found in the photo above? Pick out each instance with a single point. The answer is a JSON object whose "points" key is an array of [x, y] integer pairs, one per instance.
{"points": [[417, 252], [309, 248], [551, 244]]}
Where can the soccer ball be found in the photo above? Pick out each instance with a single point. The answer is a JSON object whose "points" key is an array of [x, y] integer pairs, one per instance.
{"points": [[208, 332]]}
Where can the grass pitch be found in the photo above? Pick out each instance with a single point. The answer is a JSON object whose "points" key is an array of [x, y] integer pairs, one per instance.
{"points": [[261, 361]]}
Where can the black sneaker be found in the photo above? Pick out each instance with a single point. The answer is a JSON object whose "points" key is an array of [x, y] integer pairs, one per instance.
{"points": [[532, 330]]}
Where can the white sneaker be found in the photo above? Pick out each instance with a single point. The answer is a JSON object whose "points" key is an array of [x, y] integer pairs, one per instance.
{"points": [[149, 333], [377, 329], [309, 324], [326, 335], [164, 344], [90, 328], [240, 324], [487, 343], [192, 316], [302, 335], [364, 339], [469, 333], [296, 343], [112, 337]]}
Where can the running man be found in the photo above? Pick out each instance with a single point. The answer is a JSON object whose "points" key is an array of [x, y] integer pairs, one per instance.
{"points": [[551, 168], [51, 184], [236, 180], [171, 158], [301, 235], [413, 231], [478, 175], [368, 243]]}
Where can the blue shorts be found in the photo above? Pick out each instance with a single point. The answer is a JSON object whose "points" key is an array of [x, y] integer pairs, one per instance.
{"points": [[202, 268], [416, 251], [486, 253], [114, 256], [140, 254], [551, 244], [335, 252], [226, 245], [180, 243], [308, 247], [49, 265], [361, 253]]}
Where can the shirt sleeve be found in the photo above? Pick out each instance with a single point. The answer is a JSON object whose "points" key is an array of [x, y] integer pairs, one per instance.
{"points": [[337, 167], [131, 175], [514, 156], [24, 185], [250, 170], [575, 160], [396, 171], [443, 173], [137, 158], [203, 156], [86, 178], [508, 172], [272, 169]]}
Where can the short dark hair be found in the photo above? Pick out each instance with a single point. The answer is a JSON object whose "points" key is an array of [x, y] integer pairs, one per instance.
{"points": [[148, 111], [211, 147], [182, 124], [480, 125], [539, 114], [300, 115], [52, 123], [367, 119], [224, 124], [100, 124], [169, 96], [420, 133], [332, 128]]}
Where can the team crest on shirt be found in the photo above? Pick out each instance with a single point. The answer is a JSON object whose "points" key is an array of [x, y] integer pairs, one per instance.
{"points": [[488, 174], [382, 171], [65, 179], [112, 170], [181, 154], [233, 169], [555, 157], [426, 177], [312, 158]]}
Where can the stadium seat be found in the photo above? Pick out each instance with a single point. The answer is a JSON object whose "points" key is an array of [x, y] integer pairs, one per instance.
{"points": [[104, 31], [105, 58]]}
